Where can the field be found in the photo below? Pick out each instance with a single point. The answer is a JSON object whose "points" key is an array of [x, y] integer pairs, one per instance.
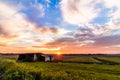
{"points": [[91, 59], [69, 68]]}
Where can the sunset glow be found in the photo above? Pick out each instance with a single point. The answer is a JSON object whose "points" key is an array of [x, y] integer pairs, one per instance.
{"points": [[58, 53], [68, 26]]}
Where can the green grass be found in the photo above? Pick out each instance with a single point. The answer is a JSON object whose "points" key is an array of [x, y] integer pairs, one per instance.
{"points": [[57, 71], [112, 59], [81, 59]]}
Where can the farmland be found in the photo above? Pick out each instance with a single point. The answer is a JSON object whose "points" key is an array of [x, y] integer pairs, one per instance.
{"points": [[69, 68], [91, 59]]}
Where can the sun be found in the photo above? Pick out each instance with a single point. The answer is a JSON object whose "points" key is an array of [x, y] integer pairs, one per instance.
{"points": [[58, 53]]}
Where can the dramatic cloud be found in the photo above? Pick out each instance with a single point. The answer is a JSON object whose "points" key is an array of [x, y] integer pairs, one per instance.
{"points": [[83, 13], [64, 43], [3, 44], [69, 26], [79, 11], [46, 30], [61, 42], [17, 31], [108, 40]]}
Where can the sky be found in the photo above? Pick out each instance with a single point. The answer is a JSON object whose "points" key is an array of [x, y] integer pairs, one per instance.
{"points": [[65, 26]]}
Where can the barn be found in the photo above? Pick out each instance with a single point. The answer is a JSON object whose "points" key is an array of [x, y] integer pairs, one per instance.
{"points": [[31, 57]]}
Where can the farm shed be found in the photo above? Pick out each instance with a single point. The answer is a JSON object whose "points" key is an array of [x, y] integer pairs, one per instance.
{"points": [[30, 57]]}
